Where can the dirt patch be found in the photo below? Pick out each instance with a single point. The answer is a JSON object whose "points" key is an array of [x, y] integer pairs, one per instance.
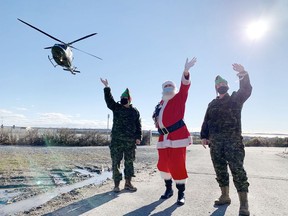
{"points": [[28, 171], [82, 193]]}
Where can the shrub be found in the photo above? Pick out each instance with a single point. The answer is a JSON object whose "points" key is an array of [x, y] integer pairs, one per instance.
{"points": [[93, 138], [4, 137], [266, 142]]}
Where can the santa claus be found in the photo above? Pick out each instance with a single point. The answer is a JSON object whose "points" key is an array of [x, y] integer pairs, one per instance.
{"points": [[174, 136]]}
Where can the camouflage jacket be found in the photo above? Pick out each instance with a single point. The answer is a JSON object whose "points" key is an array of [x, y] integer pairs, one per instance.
{"points": [[126, 121], [223, 116]]}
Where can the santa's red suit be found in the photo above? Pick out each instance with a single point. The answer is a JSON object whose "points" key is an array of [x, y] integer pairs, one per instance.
{"points": [[172, 146]]}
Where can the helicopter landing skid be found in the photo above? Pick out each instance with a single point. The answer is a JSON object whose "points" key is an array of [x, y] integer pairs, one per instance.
{"points": [[72, 70], [50, 59]]}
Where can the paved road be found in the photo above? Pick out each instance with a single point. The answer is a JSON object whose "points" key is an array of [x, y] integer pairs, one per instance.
{"points": [[268, 177]]}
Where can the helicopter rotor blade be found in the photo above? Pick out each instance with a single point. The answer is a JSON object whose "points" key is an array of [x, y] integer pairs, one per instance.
{"points": [[86, 53], [47, 47], [41, 31], [90, 35]]}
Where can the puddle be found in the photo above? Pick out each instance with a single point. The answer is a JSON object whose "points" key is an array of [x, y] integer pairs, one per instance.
{"points": [[58, 179], [19, 188], [7, 195], [60, 182], [82, 172]]}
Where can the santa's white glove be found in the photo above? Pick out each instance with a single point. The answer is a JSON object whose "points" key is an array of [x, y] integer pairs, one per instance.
{"points": [[190, 64]]}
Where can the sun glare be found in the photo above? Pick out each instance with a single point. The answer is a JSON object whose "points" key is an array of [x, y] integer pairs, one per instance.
{"points": [[256, 30]]}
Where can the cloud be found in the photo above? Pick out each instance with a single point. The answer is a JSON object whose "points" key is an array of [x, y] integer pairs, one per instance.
{"points": [[21, 108], [9, 117], [50, 119], [64, 120], [55, 119], [4, 112]]}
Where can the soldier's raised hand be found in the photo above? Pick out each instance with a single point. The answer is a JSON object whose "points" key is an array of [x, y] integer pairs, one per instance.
{"points": [[189, 64], [105, 82], [238, 67]]}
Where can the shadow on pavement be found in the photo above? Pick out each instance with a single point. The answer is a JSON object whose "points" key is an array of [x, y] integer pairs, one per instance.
{"points": [[85, 205], [167, 211], [145, 210], [220, 211]]}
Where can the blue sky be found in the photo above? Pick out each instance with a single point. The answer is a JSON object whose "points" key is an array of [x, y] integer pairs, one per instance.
{"points": [[143, 44]]}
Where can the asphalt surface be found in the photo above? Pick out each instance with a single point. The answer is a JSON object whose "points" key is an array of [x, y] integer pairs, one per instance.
{"points": [[267, 170]]}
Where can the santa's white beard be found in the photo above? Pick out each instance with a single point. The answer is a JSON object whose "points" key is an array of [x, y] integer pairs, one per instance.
{"points": [[166, 97]]}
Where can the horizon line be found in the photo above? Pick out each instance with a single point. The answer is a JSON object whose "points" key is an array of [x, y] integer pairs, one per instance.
{"points": [[153, 131]]}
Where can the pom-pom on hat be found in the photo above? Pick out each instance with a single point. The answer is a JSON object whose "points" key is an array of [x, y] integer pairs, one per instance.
{"points": [[126, 94], [219, 80]]}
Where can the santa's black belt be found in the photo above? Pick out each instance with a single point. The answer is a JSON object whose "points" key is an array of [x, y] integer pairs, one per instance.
{"points": [[172, 128]]}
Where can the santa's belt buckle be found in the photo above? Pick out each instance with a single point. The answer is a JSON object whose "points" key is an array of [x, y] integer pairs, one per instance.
{"points": [[164, 131]]}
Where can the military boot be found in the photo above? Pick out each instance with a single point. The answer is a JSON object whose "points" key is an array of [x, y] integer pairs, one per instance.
{"points": [[181, 196], [244, 207], [169, 192], [224, 198], [116, 186], [129, 186]]}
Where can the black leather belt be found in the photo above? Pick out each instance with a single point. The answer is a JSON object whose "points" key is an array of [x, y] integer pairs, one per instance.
{"points": [[170, 129]]}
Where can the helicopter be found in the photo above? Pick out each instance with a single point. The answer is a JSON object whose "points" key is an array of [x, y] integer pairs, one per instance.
{"points": [[62, 53]]}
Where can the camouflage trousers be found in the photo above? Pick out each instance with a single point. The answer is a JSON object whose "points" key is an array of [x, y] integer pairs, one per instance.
{"points": [[229, 152], [118, 149]]}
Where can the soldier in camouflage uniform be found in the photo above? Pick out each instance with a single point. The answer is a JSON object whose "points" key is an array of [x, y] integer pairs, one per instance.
{"points": [[126, 133], [221, 130]]}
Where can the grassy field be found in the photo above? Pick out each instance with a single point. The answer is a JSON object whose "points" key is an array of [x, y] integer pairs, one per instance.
{"points": [[27, 159]]}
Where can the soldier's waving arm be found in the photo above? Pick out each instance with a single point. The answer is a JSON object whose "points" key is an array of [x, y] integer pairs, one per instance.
{"points": [[111, 103], [245, 89]]}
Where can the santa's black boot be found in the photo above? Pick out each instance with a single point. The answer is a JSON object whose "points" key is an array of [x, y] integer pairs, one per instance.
{"points": [[181, 196], [169, 192]]}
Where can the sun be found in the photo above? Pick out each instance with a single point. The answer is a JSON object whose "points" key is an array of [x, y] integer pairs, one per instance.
{"points": [[257, 30]]}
